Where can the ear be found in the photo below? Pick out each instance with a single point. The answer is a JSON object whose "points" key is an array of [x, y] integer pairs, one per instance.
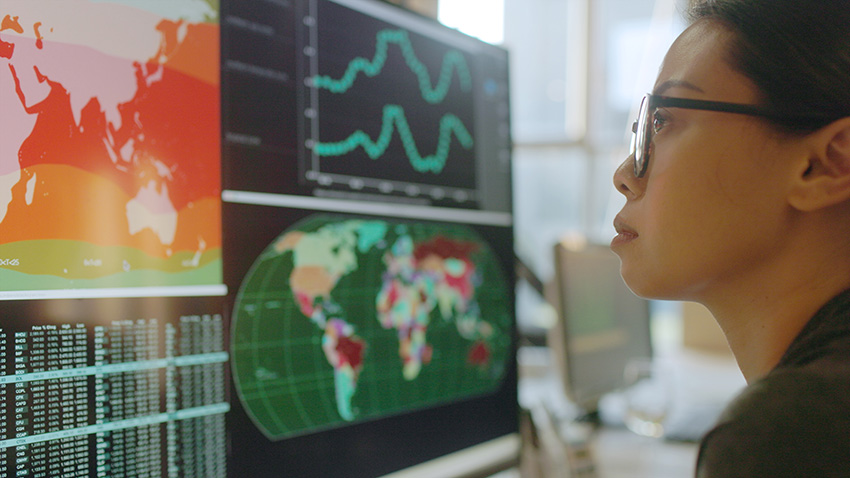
{"points": [[823, 180]]}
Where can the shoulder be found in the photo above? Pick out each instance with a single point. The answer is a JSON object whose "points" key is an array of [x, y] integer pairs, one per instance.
{"points": [[819, 387], [794, 422]]}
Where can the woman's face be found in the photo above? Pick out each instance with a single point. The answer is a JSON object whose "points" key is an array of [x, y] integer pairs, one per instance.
{"points": [[710, 210]]}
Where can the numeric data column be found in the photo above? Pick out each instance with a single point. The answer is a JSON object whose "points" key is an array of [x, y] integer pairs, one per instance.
{"points": [[4, 407], [202, 439]]}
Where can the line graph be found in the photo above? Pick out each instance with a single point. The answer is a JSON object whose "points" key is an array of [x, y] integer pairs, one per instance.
{"points": [[394, 119], [387, 107], [453, 62]]}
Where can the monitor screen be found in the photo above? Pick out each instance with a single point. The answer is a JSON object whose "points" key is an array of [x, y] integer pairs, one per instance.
{"points": [[252, 238], [601, 323]]}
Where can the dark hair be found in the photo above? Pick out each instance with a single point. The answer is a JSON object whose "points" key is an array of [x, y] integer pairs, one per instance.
{"points": [[797, 52]]}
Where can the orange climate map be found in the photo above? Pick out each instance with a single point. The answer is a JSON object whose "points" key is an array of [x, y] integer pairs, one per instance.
{"points": [[109, 144]]}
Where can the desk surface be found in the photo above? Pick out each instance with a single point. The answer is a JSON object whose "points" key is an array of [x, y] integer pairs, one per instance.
{"points": [[615, 451], [620, 453]]}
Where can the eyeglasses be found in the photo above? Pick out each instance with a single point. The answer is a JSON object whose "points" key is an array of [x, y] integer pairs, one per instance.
{"points": [[643, 130]]}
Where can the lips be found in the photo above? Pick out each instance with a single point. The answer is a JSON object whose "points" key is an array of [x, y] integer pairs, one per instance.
{"points": [[625, 233]]}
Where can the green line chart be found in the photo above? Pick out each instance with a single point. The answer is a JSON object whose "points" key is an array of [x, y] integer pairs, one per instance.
{"points": [[386, 108], [394, 119], [453, 62]]}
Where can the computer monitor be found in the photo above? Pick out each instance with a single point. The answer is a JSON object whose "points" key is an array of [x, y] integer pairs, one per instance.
{"points": [[601, 323], [352, 354], [253, 238], [113, 352]]}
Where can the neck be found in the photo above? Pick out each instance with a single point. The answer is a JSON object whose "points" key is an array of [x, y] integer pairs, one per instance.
{"points": [[759, 333], [762, 318]]}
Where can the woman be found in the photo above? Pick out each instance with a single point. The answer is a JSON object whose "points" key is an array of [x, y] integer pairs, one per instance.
{"points": [[738, 197]]}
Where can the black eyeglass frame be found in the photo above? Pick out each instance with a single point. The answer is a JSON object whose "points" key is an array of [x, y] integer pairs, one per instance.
{"points": [[642, 127]]}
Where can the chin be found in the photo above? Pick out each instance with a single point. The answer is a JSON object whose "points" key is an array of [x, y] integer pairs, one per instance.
{"points": [[647, 285], [639, 290], [632, 278]]}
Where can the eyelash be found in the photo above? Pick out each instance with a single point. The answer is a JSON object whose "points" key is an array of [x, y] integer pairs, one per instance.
{"points": [[659, 119]]}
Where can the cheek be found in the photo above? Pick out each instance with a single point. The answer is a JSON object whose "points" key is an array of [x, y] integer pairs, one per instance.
{"points": [[683, 229], [703, 188], [682, 208], [698, 233]]}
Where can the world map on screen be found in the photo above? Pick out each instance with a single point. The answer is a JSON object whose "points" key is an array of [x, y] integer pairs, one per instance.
{"points": [[109, 144], [343, 319]]}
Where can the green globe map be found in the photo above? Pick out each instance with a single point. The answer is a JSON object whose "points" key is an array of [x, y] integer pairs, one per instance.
{"points": [[344, 319]]}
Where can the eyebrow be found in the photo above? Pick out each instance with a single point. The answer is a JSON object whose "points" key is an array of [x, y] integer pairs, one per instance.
{"points": [[660, 89]]}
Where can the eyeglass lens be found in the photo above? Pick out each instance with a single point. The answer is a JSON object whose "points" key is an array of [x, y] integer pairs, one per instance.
{"points": [[641, 139]]}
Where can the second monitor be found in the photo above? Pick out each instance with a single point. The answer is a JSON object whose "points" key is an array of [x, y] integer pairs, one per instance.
{"points": [[601, 326]]}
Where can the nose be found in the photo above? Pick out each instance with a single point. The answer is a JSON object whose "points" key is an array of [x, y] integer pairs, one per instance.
{"points": [[625, 181]]}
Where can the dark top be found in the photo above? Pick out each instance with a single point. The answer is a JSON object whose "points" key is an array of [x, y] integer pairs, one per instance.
{"points": [[794, 422]]}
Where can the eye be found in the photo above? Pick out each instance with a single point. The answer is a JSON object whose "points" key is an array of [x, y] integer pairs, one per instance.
{"points": [[659, 119]]}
